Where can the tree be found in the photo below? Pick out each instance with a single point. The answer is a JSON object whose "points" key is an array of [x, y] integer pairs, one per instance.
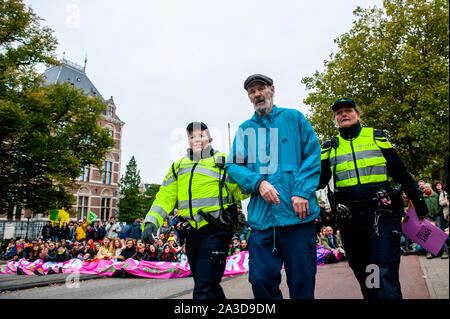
{"points": [[394, 63], [130, 205], [149, 197], [47, 133]]}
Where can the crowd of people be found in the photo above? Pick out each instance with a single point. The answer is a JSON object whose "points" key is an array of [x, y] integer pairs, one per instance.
{"points": [[112, 240], [109, 240]]}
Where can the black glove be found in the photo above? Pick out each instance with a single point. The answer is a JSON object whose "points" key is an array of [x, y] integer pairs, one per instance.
{"points": [[149, 233], [421, 207]]}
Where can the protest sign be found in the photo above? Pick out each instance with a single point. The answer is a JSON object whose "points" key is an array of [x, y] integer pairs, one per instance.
{"points": [[91, 217], [425, 234]]}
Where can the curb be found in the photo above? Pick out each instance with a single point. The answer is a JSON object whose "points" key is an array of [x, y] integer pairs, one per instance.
{"points": [[38, 281]]}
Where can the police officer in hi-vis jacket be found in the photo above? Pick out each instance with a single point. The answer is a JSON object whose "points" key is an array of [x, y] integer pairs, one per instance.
{"points": [[207, 211], [359, 161]]}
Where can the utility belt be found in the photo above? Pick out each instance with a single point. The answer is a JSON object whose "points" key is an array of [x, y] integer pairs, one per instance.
{"points": [[222, 220], [379, 205]]}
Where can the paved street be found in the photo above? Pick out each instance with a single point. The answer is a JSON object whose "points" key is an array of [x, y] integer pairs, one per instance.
{"points": [[420, 278]]}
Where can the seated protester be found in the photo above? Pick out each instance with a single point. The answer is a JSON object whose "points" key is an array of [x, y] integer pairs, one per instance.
{"points": [[34, 253], [42, 252], [86, 252], [106, 251], [10, 250], [141, 253], [51, 253], [168, 254], [20, 253], [331, 241], [153, 254], [128, 251], [27, 248], [160, 244], [76, 250], [244, 245], [97, 247], [234, 244], [173, 243], [182, 256], [63, 254], [116, 247]]}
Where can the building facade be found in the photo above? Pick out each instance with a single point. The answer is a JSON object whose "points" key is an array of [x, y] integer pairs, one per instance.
{"points": [[97, 188]]}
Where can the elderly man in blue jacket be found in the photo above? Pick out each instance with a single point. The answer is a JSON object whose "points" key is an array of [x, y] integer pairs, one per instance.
{"points": [[275, 157]]}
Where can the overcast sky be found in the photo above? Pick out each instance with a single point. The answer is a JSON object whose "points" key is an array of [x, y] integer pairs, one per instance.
{"points": [[167, 63]]}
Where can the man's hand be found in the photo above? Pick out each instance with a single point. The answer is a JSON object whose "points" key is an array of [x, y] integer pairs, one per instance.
{"points": [[301, 206], [269, 193], [149, 233]]}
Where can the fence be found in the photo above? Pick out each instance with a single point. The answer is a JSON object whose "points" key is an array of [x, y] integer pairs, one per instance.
{"points": [[21, 229]]}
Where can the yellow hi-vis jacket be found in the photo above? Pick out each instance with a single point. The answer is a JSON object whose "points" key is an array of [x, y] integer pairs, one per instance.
{"points": [[358, 160], [194, 185]]}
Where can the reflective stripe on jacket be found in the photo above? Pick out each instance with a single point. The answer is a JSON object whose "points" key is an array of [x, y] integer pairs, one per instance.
{"points": [[358, 160], [195, 186]]}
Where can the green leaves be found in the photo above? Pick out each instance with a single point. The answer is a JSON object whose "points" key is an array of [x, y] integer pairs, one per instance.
{"points": [[43, 130], [394, 63], [43, 144]]}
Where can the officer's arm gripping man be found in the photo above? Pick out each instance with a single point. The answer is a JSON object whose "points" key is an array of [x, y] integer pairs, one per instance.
{"points": [[164, 203]]}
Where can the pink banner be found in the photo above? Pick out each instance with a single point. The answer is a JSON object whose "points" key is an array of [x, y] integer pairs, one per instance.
{"points": [[236, 265], [425, 234]]}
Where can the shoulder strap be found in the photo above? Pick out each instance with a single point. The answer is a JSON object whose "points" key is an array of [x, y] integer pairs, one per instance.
{"points": [[173, 172]]}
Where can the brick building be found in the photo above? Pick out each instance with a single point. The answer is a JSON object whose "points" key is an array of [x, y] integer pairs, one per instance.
{"points": [[95, 191]]}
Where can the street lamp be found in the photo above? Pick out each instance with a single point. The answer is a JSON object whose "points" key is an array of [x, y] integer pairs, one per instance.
{"points": [[28, 216]]}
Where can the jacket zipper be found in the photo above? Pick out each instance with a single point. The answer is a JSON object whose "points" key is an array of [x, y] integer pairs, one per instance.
{"points": [[354, 160], [190, 194]]}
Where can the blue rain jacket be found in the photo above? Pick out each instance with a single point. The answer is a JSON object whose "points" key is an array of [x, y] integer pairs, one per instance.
{"points": [[282, 148]]}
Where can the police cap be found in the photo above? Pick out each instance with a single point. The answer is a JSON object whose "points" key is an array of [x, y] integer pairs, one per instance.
{"points": [[343, 101], [196, 125]]}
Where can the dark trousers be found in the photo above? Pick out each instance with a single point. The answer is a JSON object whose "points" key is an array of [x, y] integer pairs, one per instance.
{"points": [[295, 246], [375, 260], [207, 250]]}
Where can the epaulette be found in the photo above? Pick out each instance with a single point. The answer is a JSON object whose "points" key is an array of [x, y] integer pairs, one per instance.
{"points": [[334, 143], [378, 133], [381, 139]]}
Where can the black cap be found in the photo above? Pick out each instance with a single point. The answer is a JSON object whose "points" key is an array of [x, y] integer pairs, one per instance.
{"points": [[257, 78], [343, 101], [196, 125]]}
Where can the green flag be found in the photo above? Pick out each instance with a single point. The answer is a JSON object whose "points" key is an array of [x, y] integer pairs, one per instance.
{"points": [[91, 216], [53, 215]]}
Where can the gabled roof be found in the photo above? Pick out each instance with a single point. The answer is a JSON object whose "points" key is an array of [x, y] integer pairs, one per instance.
{"points": [[72, 73], [75, 75]]}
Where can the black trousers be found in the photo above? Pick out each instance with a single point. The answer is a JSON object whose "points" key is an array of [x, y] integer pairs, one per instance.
{"points": [[374, 259], [207, 250]]}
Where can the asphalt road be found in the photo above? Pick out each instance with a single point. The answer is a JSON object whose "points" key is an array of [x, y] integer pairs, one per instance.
{"points": [[334, 281]]}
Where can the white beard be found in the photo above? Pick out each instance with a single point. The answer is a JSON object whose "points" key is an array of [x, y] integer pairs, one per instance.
{"points": [[261, 109]]}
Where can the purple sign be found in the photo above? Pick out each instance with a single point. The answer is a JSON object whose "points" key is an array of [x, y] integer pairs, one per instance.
{"points": [[425, 234]]}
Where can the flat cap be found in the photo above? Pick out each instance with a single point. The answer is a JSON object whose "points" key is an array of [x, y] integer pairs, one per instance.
{"points": [[257, 78], [343, 101]]}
